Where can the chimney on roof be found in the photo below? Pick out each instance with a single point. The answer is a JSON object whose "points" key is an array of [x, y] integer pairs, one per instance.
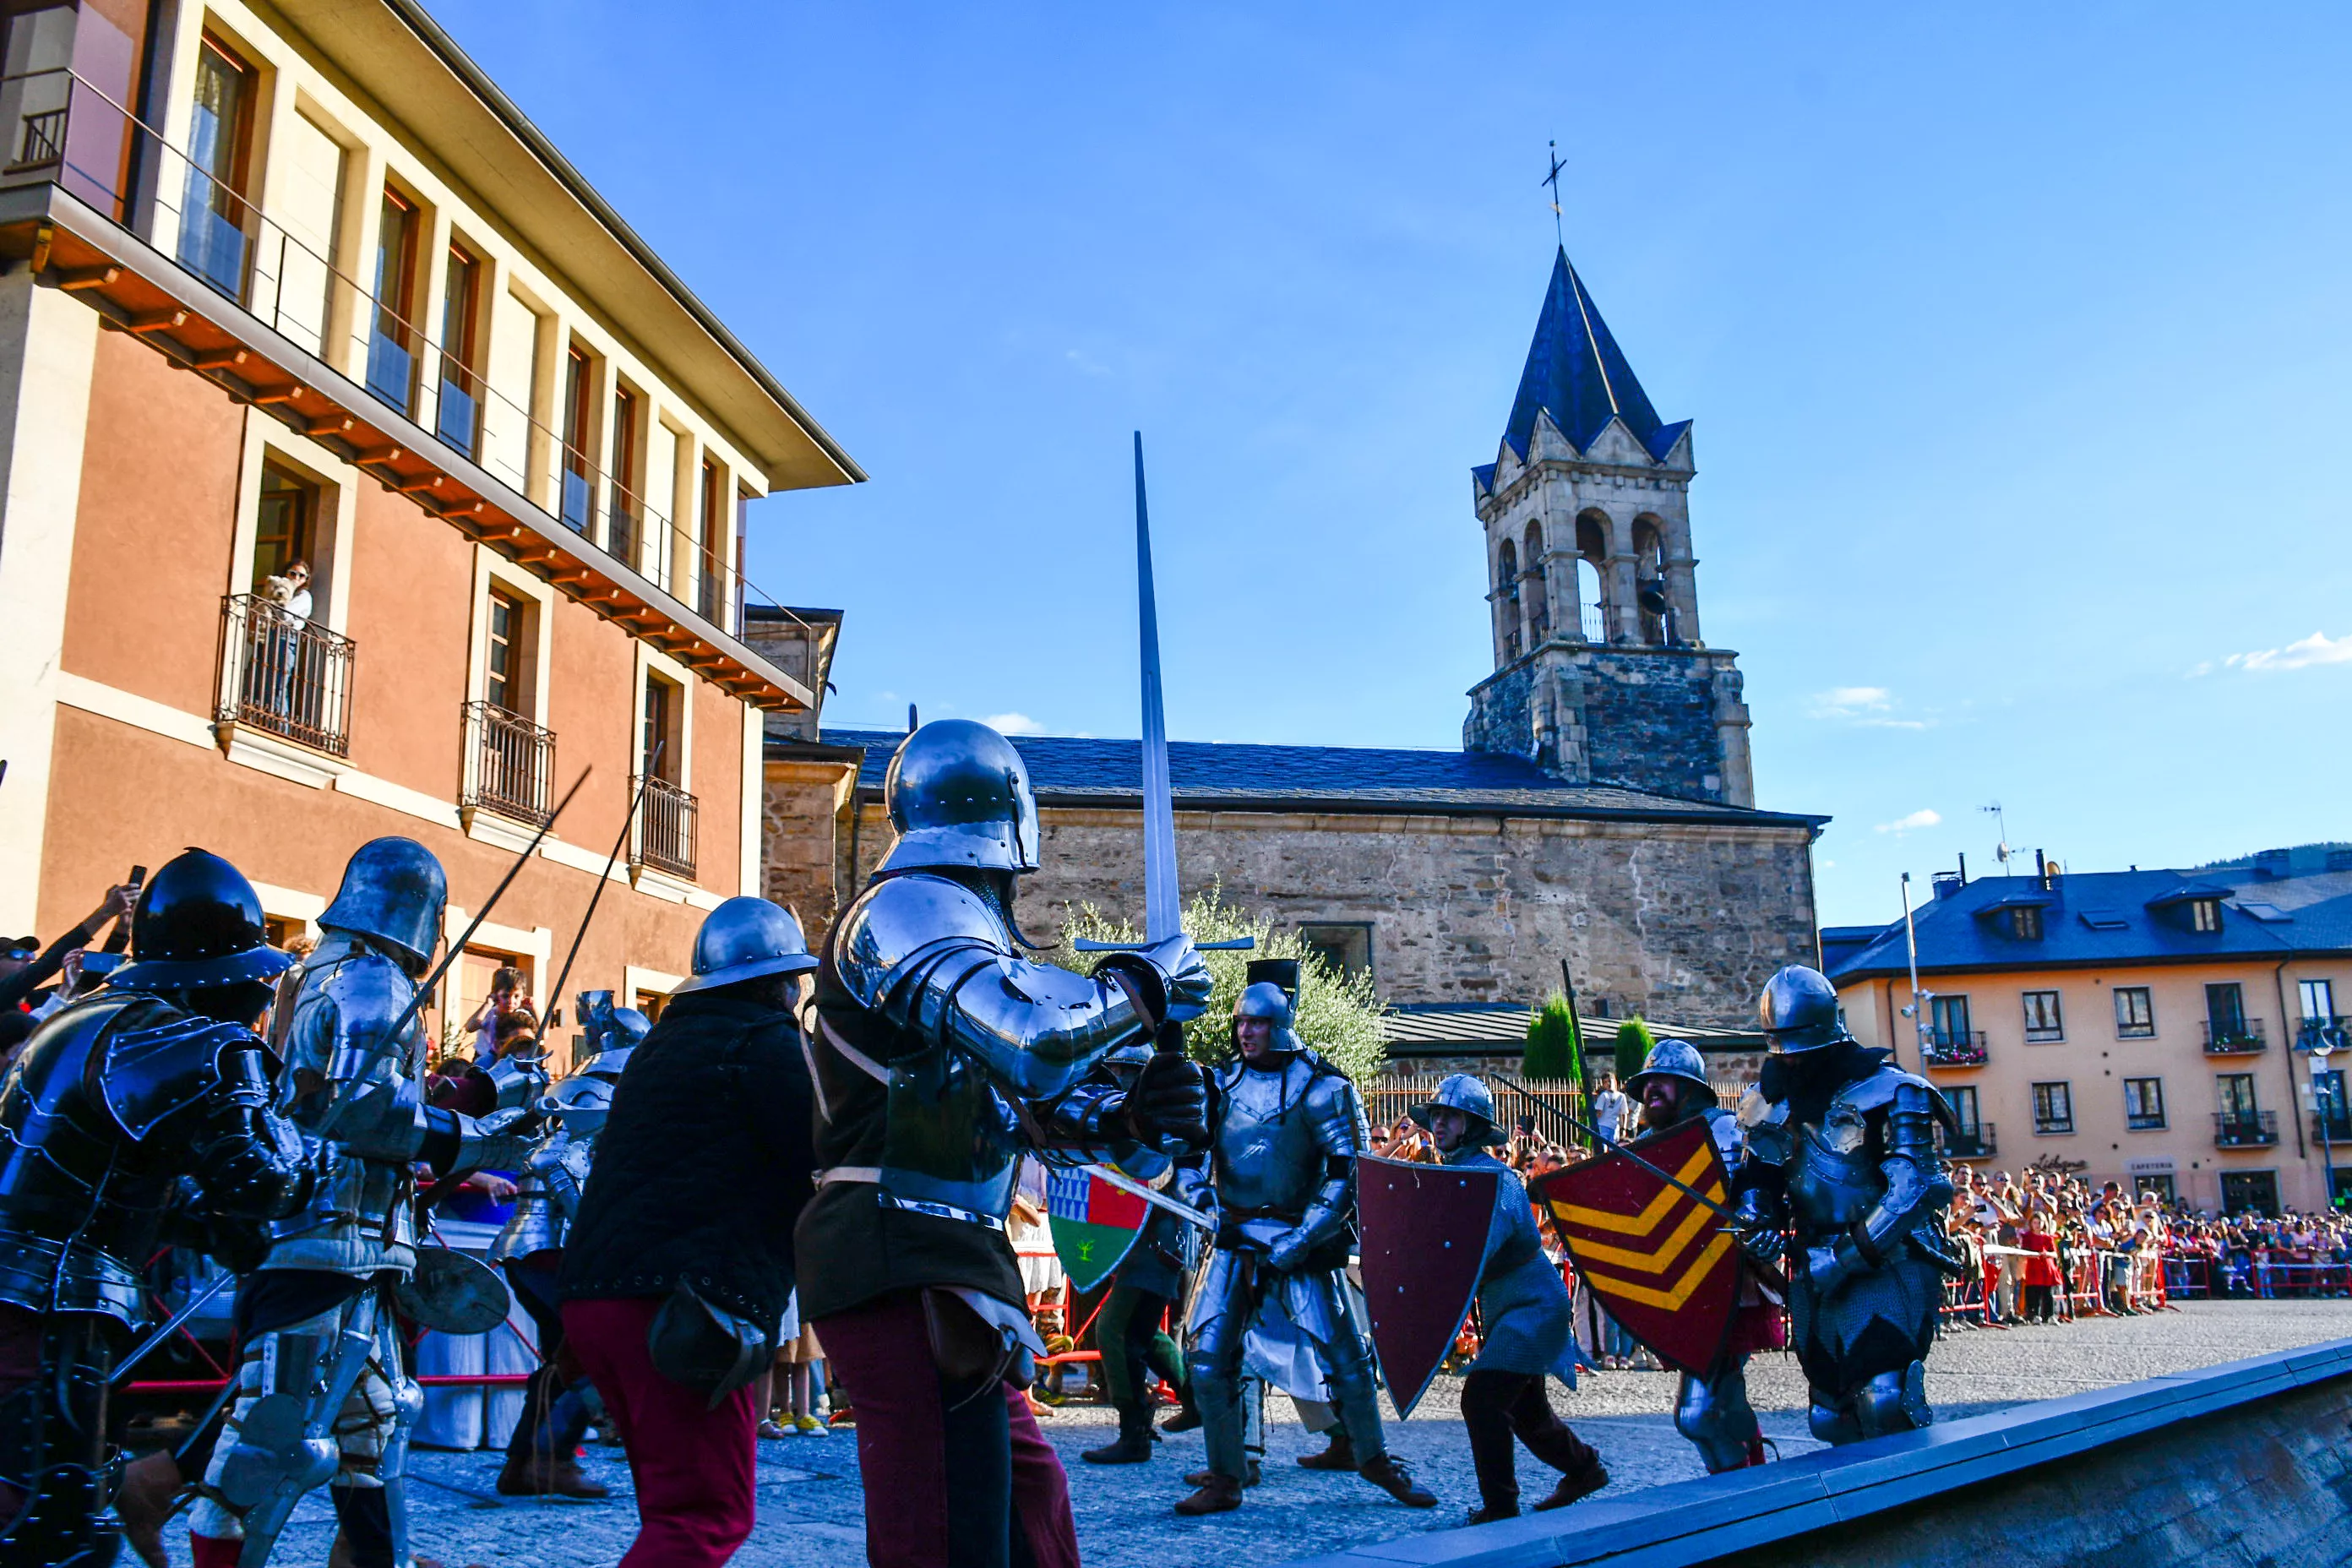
{"points": [[2041, 870], [2271, 863], [1946, 884], [1964, 867], [2339, 860]]}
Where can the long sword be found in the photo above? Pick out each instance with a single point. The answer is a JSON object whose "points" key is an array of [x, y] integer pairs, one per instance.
{"points": [[1158, 1200], [1163, 908]]}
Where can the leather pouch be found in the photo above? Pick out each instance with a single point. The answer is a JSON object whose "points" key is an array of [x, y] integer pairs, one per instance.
{"points": [[705, 1347], [966, 1348]]}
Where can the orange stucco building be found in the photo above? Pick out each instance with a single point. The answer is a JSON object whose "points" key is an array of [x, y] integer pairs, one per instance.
{"points": [[298, 285]]}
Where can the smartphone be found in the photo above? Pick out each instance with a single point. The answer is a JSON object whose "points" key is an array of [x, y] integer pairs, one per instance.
{"points": [[1527, 1124], [118, 939]]}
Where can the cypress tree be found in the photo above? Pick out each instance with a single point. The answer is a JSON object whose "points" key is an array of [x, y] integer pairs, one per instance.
{"points": [[1634, 1042]]}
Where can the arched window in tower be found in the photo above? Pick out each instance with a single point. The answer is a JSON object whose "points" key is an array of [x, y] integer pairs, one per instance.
{"points": [[1507, 598], [1593, 554], [1592, 621], [1538, 600], [1650, 582]]}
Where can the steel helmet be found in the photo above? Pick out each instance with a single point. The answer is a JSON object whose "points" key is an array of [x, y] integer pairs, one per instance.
{"points": [[1461, 1092], [958, 796], [744, 939], [197, 922], [1266, 1000], [1799, 1010], [1672, 1058], [395, 891]]}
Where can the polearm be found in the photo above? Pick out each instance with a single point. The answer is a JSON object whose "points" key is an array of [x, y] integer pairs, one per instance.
{"points": [[555, 997], [1163, 908], [416, 1003]]}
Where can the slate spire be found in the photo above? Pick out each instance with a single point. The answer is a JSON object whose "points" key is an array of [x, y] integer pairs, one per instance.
{"points": [[1576, 374]]}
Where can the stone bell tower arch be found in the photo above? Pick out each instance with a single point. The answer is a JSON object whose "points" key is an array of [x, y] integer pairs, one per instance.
{"points": [[1600, 672]]}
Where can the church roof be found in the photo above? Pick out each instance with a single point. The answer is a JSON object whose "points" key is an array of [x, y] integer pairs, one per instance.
{"points": [[1576, 374], [1072, 770]]}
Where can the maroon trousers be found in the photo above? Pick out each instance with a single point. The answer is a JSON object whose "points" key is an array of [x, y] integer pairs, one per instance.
{"points": [[950, 1483], [692, 1466]]}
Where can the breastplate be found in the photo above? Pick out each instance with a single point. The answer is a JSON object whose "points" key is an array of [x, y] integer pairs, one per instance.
{"points": [[358, 1222], [1266, 1150], [950, 1137], [1833, 1176]]}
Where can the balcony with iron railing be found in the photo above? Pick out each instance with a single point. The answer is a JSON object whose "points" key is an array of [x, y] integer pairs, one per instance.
{"points": [[2334, 1031], [665, 828], [285, 674], [1954, 1048], [1975, 1142], [2245, 1129], [61, 131], [2331, 1131], [2233, 1036], [513, 760]]}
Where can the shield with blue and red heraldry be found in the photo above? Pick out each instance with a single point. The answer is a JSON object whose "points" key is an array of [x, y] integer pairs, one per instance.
{"points": [[1665, 1264], [1424, 1245], [1095, 1223]]}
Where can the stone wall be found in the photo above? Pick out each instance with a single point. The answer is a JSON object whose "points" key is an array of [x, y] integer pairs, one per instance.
{"points": [[1500, 720], [1679, 922], [804, 840], [1651, 718]]}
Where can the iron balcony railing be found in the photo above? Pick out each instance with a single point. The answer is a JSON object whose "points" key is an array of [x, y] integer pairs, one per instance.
{"points": [[666, 828], [2334, 1031], [2233, 1036], [1954, 1048], [2332, 1130], [57, 128], [513, 760], [286, 674], [1975, 1142], [2245, 1129]]}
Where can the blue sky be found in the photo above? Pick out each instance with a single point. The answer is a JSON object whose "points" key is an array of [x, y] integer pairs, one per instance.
{"points": [[2016, 338]]}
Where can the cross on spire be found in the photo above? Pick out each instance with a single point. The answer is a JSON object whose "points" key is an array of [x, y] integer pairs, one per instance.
{"points": [[1552, 180]]}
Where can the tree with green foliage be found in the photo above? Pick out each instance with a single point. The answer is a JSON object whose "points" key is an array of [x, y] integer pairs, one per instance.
{"points": [[1634, 1042], [1555, 1052], [1339, 1016]]}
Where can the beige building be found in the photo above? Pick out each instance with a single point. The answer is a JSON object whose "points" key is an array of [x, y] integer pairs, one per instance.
{"points": [[297, 285], [2154, 1029]]}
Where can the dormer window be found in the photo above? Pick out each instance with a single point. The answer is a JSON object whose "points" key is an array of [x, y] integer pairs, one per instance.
{"points": [[2025, 923], [2205, 915]]}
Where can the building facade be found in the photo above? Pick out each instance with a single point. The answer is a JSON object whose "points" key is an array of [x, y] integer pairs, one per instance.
{"points": [[2166, 1029], [298, 287]]}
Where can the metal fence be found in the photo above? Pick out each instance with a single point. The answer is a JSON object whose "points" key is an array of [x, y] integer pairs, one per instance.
{"points": [[286, 674], [1552, 1110]]}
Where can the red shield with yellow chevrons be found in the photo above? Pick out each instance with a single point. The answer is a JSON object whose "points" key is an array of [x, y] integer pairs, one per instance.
{"points": [[1663, 1263]]}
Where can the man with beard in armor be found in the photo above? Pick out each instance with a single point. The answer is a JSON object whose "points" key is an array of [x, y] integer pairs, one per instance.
{"points": [[142, 1108], [1524, 1322], [322, 1389], [1841, 1144], [1712, 1412], [941, 1056], [1286, 1128], [560, 1404]]}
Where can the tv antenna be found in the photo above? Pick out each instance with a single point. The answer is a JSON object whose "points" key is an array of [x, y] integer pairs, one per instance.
{"points": [[2000, 851]]}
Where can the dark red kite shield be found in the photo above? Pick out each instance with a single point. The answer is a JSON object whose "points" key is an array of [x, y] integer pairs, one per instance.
{"points": [[1424, 1246], [1665, 1264]]}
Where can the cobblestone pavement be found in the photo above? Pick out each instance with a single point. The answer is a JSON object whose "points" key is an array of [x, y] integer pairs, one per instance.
{"points": [[810, 1509]]}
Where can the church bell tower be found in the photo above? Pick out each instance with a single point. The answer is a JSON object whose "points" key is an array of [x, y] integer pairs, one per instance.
{"points": [[1601, 674]]}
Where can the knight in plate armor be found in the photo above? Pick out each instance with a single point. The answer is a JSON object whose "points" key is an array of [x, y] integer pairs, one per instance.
{"points": [[560, 1404], [1524, 1320], [1840, 1148], [1284, 1127], [323, 1393], [941, 1054], [1712, 1412], [133, 1117]]}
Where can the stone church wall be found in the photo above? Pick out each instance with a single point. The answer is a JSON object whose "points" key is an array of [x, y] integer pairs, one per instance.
{"points": [[1680, 922], [1649, 721]]}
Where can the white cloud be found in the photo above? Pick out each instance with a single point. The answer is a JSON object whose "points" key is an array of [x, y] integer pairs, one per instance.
{"points": [[2316, 648], [1851, 701], [2201, 667], [1924, 817], [1013, 725]]}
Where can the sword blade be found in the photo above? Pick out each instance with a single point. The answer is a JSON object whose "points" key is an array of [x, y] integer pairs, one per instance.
{"points": [[1163, 914], [1158, 1200]]}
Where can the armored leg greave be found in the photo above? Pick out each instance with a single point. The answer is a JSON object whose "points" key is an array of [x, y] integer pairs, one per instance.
{"points": [[53, 1453], [1718, 1419], [1893, 1401]]}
